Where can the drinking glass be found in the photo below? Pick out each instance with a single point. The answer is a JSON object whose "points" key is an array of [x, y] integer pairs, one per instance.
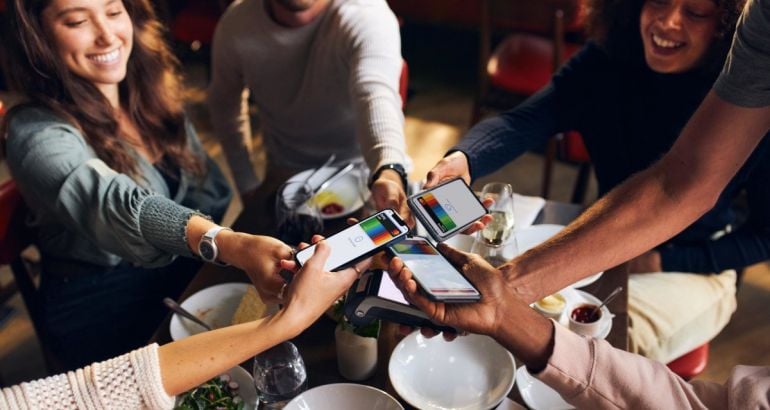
{"points": [[496, 242], [279, 375], [297, 218]]}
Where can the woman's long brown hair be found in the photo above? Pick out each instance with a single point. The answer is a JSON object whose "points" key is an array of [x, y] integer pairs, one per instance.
{"points": [[150, 94]]}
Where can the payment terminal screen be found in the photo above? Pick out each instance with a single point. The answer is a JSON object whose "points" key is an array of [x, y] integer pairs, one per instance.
{"points": [[450, 206], [357, 240], [433, 272]]}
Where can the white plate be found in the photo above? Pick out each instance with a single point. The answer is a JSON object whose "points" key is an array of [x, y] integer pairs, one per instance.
{"points": [[538, 395], [215, 305], [246, 388], [526, 239], [346, 188], [471, 372], [344, 396], [575, 297]]}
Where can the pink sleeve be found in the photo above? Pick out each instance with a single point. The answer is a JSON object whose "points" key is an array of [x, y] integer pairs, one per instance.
{"points": [[590, 373]]}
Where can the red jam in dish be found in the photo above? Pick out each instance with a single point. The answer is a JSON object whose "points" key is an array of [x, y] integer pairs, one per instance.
{"points": [[586, 314], [332, 208]]}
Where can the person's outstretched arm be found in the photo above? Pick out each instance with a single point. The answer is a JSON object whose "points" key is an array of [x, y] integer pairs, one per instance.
{"points": [[588, 373], [149, 377], [649, 207]]}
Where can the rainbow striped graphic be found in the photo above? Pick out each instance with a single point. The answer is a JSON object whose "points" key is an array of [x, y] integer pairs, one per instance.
{"points": [[437, 212], [376, 231]]}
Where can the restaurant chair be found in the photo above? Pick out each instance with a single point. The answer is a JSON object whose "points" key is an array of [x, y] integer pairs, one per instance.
{"points": [[192, 24], [523, 63], [691, 364], [15, 237]]}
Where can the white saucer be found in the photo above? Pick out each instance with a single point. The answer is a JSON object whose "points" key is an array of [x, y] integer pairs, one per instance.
{"points": [[345, 189], [538, 395], [215, 305]]}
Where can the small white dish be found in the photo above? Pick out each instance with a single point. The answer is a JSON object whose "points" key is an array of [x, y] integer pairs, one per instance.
{"points": [[344, 396], [215, 305], [246, 389], [343, 191], [470, 372], [575, 297], [536, 394]]}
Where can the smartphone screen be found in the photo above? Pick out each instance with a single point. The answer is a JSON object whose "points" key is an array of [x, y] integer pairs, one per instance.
{"points": [[448, 208], [435, 275], [359, 240], [388, 290]]}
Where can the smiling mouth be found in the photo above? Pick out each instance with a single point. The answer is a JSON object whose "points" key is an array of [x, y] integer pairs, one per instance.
{"points": [[105, 58], [663, 43]]}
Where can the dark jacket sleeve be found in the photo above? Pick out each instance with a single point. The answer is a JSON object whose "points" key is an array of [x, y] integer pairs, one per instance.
{"points": [[747, 245], [556, 108]]}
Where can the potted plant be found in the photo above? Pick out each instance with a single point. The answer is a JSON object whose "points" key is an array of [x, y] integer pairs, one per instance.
{"points": [[356, 346]]}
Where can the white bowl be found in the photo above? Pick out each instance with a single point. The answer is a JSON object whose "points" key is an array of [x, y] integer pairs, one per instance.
{"points": [[215, 305], [345, 189], [471, 372], [344, 396], [246, 389]]}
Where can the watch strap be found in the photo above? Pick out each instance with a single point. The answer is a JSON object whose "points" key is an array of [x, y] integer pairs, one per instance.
{"points": [[395, 167], [210, 236]]}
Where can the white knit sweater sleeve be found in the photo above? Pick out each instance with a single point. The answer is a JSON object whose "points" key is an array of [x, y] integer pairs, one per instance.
{"points": [[131, 381], [375, 69]]}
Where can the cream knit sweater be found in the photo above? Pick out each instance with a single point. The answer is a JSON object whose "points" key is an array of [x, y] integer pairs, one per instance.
{"points": [[131, 381]]}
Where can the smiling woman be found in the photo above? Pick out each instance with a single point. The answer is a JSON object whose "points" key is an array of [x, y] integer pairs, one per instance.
{"points": [[115, 177]]}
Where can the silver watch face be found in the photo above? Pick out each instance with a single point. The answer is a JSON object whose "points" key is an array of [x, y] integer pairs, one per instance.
{"points": [[207, 251]]}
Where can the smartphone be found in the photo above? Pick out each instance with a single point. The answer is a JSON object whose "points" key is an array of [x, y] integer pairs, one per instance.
{"points": [[438, 279], [375, 296], [360, 241], [447, 209]]}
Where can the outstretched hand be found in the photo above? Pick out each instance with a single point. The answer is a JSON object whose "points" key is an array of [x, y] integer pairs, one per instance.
{"points": [[480, 317], [451, 166]]}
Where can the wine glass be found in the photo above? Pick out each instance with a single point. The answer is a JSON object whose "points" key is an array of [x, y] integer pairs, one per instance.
{"points": [[296, 216], [279, 375], [496, 242]]}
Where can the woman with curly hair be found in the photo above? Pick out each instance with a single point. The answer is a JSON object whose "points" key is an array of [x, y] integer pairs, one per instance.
{"points": [[629, 92], [115, 177]]}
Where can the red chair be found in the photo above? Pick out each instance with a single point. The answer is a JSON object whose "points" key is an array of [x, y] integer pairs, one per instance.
{"points": [[523, 63], [692, 363]]}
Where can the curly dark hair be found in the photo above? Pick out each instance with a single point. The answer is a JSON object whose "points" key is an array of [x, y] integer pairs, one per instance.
{"points": [[150, 93], [615, 25]]}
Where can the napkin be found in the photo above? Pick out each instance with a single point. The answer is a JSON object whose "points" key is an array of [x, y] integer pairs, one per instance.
{"points": [[526, 209]]}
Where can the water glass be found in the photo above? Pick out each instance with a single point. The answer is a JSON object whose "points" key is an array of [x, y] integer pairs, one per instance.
{"points": [[279, 375], [297, 218]]}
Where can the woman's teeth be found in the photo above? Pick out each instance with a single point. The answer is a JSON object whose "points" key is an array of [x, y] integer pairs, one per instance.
{"points": [[661, 42], [105, 58]]}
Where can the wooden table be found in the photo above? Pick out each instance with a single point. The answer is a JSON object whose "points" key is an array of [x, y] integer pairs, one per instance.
{"points": [[316, 344]]}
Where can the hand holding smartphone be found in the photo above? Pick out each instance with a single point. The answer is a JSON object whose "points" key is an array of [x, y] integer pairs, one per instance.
{"points": [[436, 277], [447, 209], [359, 241]]}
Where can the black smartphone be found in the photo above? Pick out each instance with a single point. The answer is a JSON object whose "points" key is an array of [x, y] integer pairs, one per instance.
{"points": [[446, 209], [375, 296], [360, 241], [437, 278]]}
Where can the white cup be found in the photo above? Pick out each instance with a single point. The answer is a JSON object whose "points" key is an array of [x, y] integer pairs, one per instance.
{"points": [[580, 325]]}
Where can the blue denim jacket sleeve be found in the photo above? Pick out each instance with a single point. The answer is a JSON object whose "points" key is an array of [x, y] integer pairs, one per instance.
{"points": [[62, 180]]}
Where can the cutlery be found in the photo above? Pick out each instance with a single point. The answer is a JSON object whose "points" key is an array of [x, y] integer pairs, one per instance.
{"points": [[333, 177], [607, 300], [176, 308], [328, 162]]}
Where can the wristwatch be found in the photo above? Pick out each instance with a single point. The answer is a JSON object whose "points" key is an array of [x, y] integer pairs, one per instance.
{"points": [[395, 167], [207, 247]]}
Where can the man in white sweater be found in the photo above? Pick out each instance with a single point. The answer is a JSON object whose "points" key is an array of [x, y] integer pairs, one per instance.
{"points": [[324, 75]]}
